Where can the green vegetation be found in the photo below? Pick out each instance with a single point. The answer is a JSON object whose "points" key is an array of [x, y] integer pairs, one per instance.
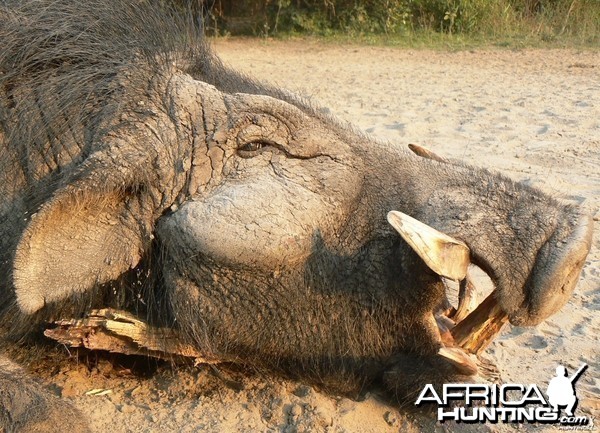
{"points": [[413, 22]]}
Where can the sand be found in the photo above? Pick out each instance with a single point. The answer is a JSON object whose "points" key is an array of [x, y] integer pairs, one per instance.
{"points": [[531, 114]]}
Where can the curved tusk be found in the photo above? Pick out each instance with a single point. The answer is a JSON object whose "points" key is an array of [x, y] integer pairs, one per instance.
{"points": [[443, 254], [467, 299]]}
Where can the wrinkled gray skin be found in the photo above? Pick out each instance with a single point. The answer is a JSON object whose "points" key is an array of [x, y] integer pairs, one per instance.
{"points": [[137, 172]]}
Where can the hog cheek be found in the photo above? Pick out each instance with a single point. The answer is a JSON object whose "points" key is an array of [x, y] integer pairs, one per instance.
{"points": [[263, 224]]}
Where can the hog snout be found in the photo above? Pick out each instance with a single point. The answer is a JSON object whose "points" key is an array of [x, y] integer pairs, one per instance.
{"points": [[555, 268], [556, 271]]}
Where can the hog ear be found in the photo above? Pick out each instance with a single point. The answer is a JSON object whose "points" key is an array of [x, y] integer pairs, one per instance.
{"points": [[90, 232]]}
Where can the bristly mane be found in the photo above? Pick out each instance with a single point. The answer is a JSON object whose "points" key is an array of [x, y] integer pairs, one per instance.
{"points": [[66, 67]]}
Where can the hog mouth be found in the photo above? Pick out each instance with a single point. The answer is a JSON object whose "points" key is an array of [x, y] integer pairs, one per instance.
{"points": [[466, 330]]}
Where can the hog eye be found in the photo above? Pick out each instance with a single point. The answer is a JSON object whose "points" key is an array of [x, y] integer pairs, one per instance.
{"points": [[253, 148]]}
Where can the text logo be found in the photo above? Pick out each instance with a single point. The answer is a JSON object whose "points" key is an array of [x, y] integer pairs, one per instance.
{"points": [[510, 403]]}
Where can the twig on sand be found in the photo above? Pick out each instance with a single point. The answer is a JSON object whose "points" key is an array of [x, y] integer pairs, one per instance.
{"points": [[121, 332]]}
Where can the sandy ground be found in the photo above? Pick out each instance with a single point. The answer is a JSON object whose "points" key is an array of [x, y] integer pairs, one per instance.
{"points": [[534, 115]]}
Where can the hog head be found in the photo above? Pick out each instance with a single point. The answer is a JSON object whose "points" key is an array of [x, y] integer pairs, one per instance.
{"points": [[269, 219]]}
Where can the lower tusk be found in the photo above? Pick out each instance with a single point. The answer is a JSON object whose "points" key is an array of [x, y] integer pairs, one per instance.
{"points": [[467, 301], [455, 355], [477, 330], [461, 360]]}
